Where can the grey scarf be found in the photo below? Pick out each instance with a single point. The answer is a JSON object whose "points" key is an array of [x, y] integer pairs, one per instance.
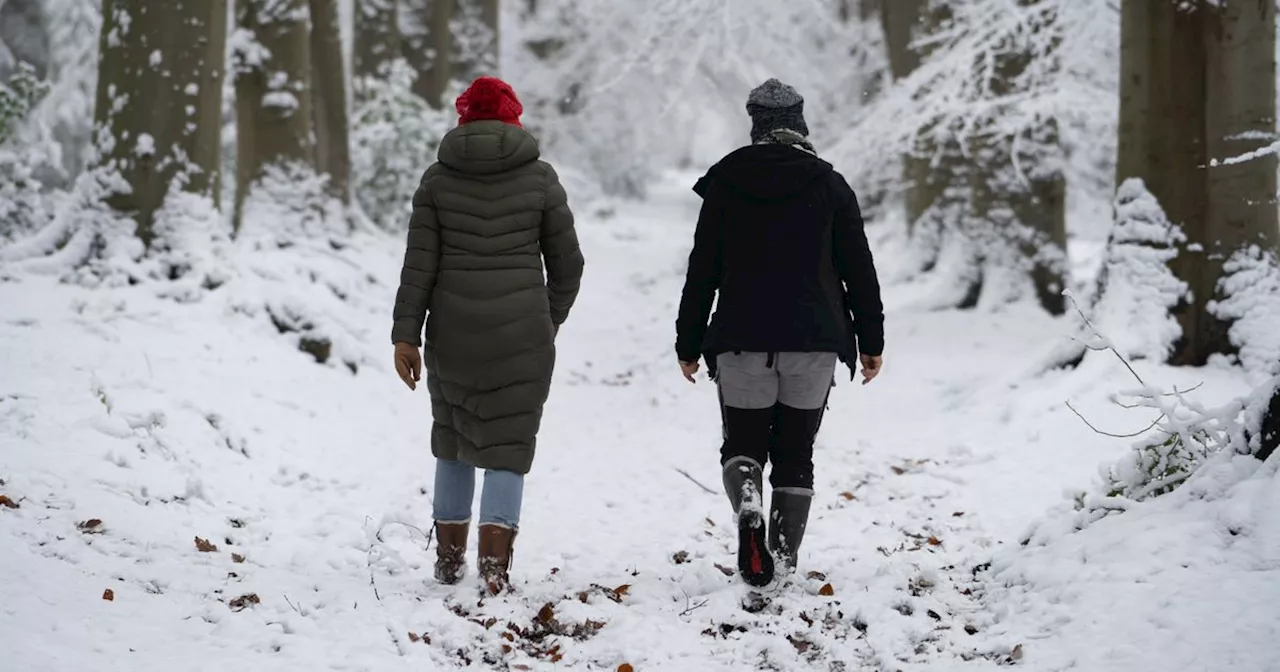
{"points": [[786, 136]]}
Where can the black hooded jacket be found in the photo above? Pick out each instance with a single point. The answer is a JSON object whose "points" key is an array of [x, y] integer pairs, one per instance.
{"points": [[780, 237]]}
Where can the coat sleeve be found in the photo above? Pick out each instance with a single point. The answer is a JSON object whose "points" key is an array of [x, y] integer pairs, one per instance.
{"points": [[421, 265], [701, 281], [858, 272], [560, 250]]}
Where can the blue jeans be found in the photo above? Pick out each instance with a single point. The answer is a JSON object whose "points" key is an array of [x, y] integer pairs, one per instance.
{"points": [[456, 489]]}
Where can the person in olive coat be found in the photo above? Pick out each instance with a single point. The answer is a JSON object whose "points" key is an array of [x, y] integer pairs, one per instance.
{"points": [[493, 268]]}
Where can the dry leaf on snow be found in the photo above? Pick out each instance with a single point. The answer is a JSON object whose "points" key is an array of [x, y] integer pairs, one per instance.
{"points": [[817, 576], [91, 526], [934, 541], [724, 570], [848, 496], [237, 558], [680, 557], [626, 667], [204, 546], [8, 503], [827, 590], [109, 595], [244, 601]]}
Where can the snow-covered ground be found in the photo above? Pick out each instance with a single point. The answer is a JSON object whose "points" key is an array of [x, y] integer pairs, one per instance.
{"points": [[170, 420]]}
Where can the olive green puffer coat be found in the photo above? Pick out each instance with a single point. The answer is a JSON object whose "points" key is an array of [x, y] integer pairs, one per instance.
{"points": [[485, 218]]}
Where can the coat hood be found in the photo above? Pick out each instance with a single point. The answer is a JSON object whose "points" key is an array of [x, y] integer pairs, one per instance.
{"points": [[487, 147], [766, 172]]}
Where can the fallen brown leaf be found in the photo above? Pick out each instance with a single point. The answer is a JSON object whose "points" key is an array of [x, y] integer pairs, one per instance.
{"points": [[626, 667], [237, 558], [8, 503], [244, 602], [508, 636], [827, 590], [848, 496], [547, 613], [727, 571], [680, 557], [958, 514], [817, 576], [109, 595], [90, 526], [204, 546], [506, 649], [522, 668], [805, 617], [413, 636], [1016, 654], [934, 541], [971, 629], [898, 470], [557, 657], [621, 591]]}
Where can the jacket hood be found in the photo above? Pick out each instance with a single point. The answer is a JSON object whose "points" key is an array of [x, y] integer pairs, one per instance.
{"points": [[766, 172], [487, 147]]}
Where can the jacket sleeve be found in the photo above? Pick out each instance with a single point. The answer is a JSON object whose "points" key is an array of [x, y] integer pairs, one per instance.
{"points": [[560, 250], [701, 281], [858, 272], [421, 264]]}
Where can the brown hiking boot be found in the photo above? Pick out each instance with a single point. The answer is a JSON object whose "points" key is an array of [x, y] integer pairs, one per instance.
{"points": [[497, 544], [451, 552]]}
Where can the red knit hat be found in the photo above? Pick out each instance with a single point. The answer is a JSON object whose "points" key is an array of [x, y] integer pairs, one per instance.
{"points": [[489, 98]]}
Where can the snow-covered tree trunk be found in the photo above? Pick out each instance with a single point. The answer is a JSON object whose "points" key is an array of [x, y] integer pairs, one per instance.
{"points": [[1241, 117], [329, 99], [475, 40], [273, 90], [902, 21], [1198, 83], [427, 44], [1019, 190], [377, 37], [159, 101]]}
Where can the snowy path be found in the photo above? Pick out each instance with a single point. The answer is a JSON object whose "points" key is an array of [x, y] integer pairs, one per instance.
{"points": [[169, 421]]}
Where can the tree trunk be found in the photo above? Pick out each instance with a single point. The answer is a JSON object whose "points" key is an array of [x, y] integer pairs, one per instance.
{"points": [[1241, 117], [1020, 191], [159, 100], [273, 91], [329, 93], [475, 40], [902, 21], [377, 36], [1191, 79], [427, 46]]}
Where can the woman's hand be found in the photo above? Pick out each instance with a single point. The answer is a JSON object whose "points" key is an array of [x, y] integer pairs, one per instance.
{"points": [[409, 364], [688, 369]]}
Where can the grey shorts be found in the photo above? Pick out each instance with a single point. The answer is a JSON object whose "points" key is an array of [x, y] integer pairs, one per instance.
{"points": [[801, 380]]}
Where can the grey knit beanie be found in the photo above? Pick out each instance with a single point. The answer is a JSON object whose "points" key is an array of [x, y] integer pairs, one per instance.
{"points": [[773, 106]]}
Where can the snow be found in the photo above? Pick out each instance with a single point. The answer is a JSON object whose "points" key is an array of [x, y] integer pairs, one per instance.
{"points": [[145, 145], [1140, 289], [171, 411], [156, 58], [282, 99]]}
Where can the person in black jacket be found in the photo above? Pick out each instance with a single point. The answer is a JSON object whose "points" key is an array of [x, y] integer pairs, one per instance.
{"points": [[780, 238]]}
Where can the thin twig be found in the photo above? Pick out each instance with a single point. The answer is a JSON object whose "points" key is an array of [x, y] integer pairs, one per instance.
{"points": [[294, 606], [1072, 298], [1175, 393], [1152, 426], [689, 607], [684, 473]]}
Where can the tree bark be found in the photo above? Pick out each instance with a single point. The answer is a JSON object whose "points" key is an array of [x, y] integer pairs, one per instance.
{"points": [[159, 100], [273, 91], [1192, 81], [329, 93], [377, 36], [427, 46], [1241, 117], [475, 40], [902, 21]]}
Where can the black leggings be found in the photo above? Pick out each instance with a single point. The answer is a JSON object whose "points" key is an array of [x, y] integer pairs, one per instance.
{"points": [[781, 435]]}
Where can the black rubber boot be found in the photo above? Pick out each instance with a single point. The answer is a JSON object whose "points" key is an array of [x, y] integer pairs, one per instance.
{"points": [[743, 480], [788, 517]]}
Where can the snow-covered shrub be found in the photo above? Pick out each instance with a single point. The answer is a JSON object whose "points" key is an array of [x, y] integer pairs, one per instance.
{"points": [[394, 137], [66, 116], [24, 206], [1137, 289], [1250, 287]]}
